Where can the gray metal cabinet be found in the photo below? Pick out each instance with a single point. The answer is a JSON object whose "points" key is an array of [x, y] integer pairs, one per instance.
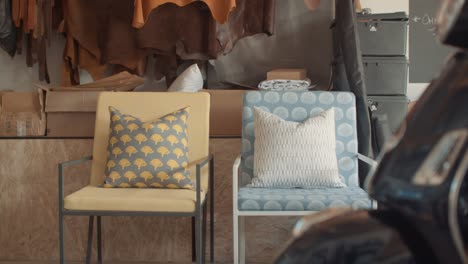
{"points": [[383, 39], [394, 107], [383, 34], [386, 75]]}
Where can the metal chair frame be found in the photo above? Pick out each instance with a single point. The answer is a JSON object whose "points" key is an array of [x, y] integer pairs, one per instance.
{"points": [[198, 216], [239, 216]]}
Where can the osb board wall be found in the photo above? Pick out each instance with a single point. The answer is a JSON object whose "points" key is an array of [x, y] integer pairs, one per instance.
{"points": [[29, 210]]}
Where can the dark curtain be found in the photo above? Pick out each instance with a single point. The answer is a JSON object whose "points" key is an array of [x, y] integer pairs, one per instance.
{"points": [[348, 73]]}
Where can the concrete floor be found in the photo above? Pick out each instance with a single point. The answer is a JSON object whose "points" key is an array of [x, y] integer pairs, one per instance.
{"points": [[107, 262]]}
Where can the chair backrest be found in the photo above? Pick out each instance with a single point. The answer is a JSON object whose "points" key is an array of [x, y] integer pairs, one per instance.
{"points": [[148, 106], [299, 106]]}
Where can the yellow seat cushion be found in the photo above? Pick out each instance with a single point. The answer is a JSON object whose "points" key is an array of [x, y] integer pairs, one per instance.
{"points": [[93, 198]]}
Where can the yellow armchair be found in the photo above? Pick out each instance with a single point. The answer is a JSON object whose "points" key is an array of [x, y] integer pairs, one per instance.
{"points": [[93, 200]]}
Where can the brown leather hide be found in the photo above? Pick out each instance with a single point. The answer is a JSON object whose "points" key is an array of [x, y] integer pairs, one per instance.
{"points": [[249, 18], [35, 19], [24, 10], [104, 29], [220, 9]]}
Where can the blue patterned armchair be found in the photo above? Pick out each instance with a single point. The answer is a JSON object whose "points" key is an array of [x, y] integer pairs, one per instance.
{"points": [[296, 106]]}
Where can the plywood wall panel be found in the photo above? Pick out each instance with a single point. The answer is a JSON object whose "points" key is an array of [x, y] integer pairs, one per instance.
{"points": [[29, 211], [29, 195]]}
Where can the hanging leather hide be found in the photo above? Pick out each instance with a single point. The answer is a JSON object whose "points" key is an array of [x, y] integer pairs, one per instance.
{"points": [[104, 29], [220, 9], [7, 29]]}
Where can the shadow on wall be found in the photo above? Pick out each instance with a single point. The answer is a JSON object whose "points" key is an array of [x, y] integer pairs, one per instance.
{"points": [[302, 39]]}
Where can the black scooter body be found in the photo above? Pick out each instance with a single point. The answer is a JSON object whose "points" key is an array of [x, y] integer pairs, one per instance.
{"points": [[411, 225], [357, 237], [421, 183], [443, 109]]}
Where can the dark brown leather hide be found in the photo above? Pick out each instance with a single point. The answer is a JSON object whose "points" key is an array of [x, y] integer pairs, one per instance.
{"points": [[220, 9], [104, 30]]}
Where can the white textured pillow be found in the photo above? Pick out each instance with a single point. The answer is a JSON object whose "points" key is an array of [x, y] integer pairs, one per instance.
{"points": [[290, 154], [191, 80]]}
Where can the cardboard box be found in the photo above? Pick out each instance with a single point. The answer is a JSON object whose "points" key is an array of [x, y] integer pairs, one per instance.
{"points": [[71, 114], [71, 124], [22, 114], [71, 111], [122, 82], [287, 74], [226, 112]]}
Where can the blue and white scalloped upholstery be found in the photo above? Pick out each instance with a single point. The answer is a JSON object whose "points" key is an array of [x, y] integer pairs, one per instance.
{"points": [[264, 199], [298, 106]]}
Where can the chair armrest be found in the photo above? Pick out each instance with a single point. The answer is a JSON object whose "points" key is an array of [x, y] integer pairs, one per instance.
{"points": [[367, 160], [204, 161], [235, 173], [61, 167], [235, 179], [200, 165], [75, 162]]}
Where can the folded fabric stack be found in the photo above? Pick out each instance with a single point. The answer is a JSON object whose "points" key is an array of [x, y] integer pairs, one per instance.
{"points": [[286, 80], [285, 85]]}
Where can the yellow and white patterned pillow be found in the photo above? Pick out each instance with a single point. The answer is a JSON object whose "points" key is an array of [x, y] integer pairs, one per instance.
{"points": [[148, 154]]}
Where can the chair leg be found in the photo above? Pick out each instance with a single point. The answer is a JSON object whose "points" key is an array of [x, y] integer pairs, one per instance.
{"points": [[90, 239], [193, 240], [61, 237], [239, 239], [235, 239], [211, 230], [204, 232], [212, 211], [99, 240], [198, 236]]}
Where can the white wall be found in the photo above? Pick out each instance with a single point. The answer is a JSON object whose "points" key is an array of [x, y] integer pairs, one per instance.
{"points": [[386, 6]]}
